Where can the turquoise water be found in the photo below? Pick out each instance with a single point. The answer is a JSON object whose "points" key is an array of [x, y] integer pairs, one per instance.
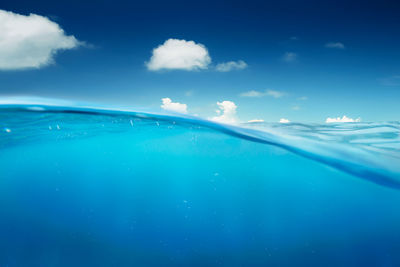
{"points": [[85, 186]]}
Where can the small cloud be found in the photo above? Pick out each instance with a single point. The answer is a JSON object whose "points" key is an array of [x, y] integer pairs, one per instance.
{"points": [[179, 55], [289, 57], [391, 81], [343, 119], [167, 104], [226, 112], [231, 65], [283, 120], [189, 93], [255, 120], [303, 98], [336, 45], [294, 38], [31, 41], [296, 107], [254, 93], [275, 94]]}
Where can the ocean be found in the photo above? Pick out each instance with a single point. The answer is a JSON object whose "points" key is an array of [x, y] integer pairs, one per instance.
{"points": [[82, 185]]}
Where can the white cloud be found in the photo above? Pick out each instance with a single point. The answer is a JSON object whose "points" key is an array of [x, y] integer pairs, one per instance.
{"points": [[283, 120], [303, 98], [254, 93], [289, 57], [336, 45], [256, 120], [179, 54], [296, 107], [226, 111], [343, 119], [167, 104], [274, 93], [231, 65], [30, 41]]}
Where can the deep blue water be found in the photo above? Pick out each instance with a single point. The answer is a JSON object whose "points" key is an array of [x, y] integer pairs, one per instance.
{"points": [[86, 186]]}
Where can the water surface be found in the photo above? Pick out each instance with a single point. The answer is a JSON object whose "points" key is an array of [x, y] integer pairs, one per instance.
{"points": [[87, 186]]}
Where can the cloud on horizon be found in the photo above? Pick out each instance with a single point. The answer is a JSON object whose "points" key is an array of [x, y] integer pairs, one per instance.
{"points": [[231, 65], [343, 119], [176, 54], [168, 105], [336, 45], [255, 120], [283, 120], [226, 112], [31, 41]]}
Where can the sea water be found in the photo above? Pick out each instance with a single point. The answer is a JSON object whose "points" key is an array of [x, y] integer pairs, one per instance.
{"points": [[84, 186]]}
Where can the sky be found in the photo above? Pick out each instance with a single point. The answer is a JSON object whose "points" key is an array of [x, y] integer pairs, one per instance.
{"points": [[298, 61]]}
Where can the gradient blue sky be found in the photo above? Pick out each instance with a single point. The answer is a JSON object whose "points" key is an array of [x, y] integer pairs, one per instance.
{"points": [[361, 80]]}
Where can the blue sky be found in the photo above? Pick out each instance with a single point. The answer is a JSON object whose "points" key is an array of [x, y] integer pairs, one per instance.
{"points": [[306, 60]]}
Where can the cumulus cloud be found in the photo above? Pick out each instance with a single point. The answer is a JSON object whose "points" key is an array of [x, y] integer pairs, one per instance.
{"points": [[30, 41], [283, 120], [231, 65], [289, 57], [343, 119], [226, 112], [256, 120], [167, 104], [179, 55], [254, 93], [336, 45]]}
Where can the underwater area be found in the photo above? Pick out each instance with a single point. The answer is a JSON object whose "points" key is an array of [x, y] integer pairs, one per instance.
{"points": [[85, 186]]}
